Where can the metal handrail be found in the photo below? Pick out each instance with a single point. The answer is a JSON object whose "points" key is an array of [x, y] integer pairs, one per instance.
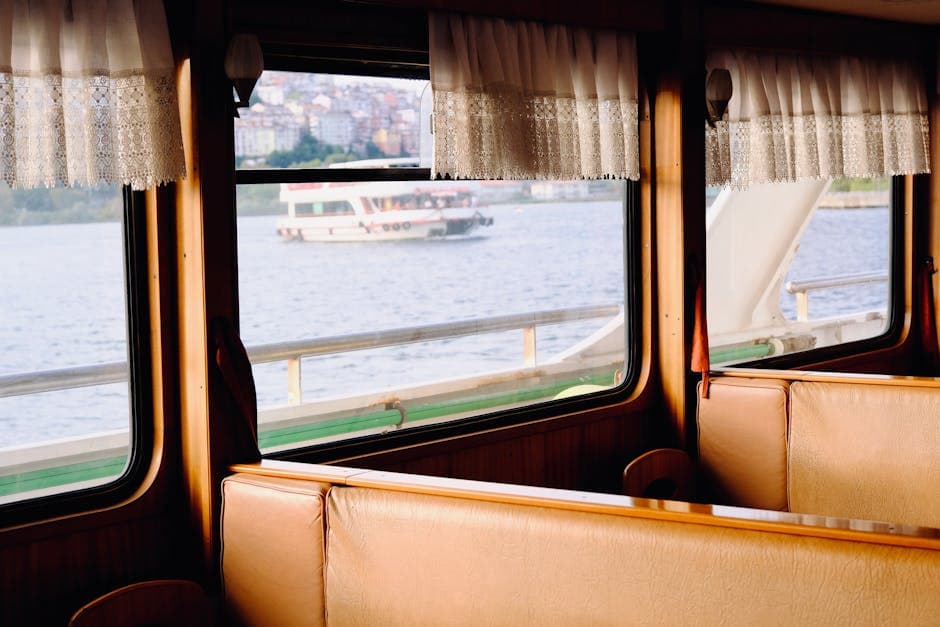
{"points": [[116, 372], [62, 378], [795, 287], [409, 335], [802, 288]]}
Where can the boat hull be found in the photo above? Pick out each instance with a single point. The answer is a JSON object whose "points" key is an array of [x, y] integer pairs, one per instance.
{"points": [[382, 226]]}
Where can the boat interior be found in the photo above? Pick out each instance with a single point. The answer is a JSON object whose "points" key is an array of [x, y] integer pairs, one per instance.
{"points": [[789, 472]]}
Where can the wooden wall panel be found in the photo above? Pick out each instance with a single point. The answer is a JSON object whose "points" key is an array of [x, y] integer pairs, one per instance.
{"points": [[585, 455], [44, 581], [606, 448], [794, 30], [403, 20], [568, 445], [628, 14]]}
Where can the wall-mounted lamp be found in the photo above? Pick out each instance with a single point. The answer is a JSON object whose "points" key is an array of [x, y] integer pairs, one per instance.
{"points": [[718, 91], [244, 63]]}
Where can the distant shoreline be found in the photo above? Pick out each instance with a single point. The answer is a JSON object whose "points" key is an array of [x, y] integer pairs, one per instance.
{"points": [[85, 215], [854, 200]]}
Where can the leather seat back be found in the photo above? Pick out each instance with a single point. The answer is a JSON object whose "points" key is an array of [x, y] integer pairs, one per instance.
{"points": [[273, 550], [742, 442], [865, 451], [397, 558]]}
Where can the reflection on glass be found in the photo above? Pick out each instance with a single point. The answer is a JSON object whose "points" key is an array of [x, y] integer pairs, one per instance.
{"points": [[417, 302], [795, 266], [64, 402], [299, 120]]}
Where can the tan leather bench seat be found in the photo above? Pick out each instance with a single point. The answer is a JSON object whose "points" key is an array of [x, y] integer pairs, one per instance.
{"points": [[407, 550], [417, 559], [853, 450], [865, 451]]}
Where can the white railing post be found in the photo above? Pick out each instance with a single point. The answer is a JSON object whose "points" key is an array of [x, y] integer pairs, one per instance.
{"points": [[294, 393], [528, 347], [802, 306]]}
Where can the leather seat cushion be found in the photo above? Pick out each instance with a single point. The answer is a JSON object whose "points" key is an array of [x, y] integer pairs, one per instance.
{"points": [[273, 550], [742, 442]]}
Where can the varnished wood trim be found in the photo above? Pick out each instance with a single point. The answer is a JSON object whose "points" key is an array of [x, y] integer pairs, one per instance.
{"points": [[845, 529], [831, 377], [679, 189], [633, 411], [645, 274], [337, 475], [672, 338], [158, 285], [911, 252], [792, 30], [930, 224], [193, 339], [206, 265], [626, 14]]}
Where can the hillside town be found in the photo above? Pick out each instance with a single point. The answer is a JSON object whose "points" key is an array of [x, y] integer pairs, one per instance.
{"points": [[355, 118]]}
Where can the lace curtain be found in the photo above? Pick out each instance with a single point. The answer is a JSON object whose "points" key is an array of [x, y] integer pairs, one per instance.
{"points": [[521, 100], [87, 94], [794, 118]]}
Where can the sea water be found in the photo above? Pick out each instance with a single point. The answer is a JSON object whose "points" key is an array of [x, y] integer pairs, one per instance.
{"points": [[63, 300]]}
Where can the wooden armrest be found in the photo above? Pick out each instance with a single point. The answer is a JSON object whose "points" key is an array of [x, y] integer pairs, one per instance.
{"points": [[663, 473], [158, 602]]}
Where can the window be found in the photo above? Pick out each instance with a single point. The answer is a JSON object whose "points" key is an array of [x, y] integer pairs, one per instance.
{"points": [[797, 266], [373, 300], [65, 401], [339, 207]]}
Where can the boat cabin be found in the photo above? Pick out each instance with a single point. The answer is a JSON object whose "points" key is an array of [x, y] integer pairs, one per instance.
{"points": [[421, 312]]}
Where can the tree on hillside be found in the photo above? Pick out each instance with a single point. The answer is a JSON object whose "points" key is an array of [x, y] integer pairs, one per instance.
{"points": [[37, 199], [308, 149]]}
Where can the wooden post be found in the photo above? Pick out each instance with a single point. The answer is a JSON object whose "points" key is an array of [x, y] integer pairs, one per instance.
{"points": [[679, 210], [207, 268], [528, 347]]}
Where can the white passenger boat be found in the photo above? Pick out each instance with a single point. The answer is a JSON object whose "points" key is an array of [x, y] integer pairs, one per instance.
{"points": [[362, 212]]}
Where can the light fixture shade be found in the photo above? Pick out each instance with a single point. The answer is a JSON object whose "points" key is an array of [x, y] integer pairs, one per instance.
{"points": [[244, 63], [718, 91]]}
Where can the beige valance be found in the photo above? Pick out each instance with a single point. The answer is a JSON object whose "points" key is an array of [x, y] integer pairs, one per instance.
{"points": [[801, 117], [523, 100], [87, 94]]}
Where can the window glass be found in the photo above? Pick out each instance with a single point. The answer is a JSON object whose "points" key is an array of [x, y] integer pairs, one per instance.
{"points": [[797, 266], [64, 402], [299, 120], [371, 307], [517, 287]]}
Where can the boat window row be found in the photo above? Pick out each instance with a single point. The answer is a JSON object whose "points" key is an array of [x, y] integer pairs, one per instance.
{"points": [[376, 303]]}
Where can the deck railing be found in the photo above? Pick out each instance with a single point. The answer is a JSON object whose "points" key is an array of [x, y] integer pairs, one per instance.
{"points": [[802, 288], [293, 351]]}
